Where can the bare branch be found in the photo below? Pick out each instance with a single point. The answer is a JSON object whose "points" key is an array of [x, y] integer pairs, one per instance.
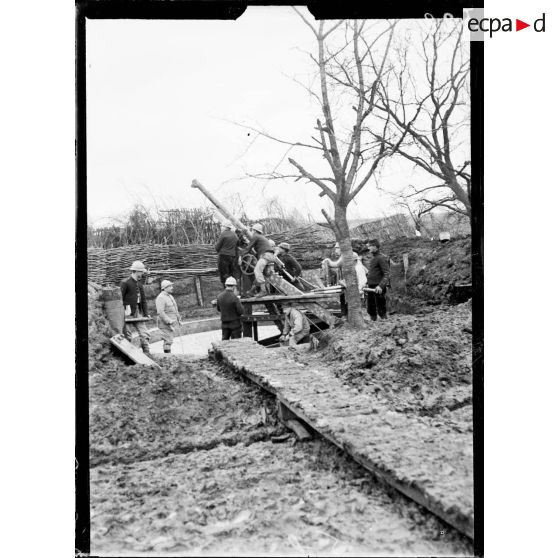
{"points": [[269, 136], [310, 177], [305, 21], [331, 223], [333, 28]]}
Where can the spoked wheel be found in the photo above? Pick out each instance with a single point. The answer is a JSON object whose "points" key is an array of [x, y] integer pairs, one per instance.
{"points": [[248, 264]]}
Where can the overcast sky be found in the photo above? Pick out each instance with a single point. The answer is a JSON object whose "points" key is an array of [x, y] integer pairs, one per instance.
{"points": [[159, 94]]}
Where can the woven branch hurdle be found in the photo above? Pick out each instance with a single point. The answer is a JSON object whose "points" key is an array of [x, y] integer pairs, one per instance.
{"points": [[308, 244], [112, 265]]}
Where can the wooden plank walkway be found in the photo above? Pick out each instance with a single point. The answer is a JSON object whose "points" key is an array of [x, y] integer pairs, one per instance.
{"points": [[432, 466]]}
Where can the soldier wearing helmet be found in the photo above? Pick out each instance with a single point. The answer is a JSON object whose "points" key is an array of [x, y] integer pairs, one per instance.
{"points": [[227, 252], [291, 266], [259, 242], [264, 267], [231, 309], [296, 327], [168, 317], [135, 303]]}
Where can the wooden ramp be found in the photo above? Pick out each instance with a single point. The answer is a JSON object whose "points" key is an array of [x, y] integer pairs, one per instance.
{"points": [[415, 454], [131, 351], [287, 288]]}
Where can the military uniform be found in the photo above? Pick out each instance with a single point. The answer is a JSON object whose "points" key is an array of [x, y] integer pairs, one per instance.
{"points": [[231, 311], [167, 317], [133, 298], [378, 276]]}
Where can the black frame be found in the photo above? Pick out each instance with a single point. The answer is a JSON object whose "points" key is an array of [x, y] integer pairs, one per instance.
{"points": [[321, 9]]}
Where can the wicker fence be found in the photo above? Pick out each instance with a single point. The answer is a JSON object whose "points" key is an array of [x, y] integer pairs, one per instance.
{"points": [[112, 265], [308, 244]]}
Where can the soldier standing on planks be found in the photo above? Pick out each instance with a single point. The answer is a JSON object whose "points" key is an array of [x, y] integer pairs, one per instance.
{"points": [[228, 304], [262, 269], [135, 304], [227, 252], [167, 314], [378, 279]]}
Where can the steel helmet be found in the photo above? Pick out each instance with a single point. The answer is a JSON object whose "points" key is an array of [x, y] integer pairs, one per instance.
{"points": [[165, 283], [271, 242], [227, 225], [258, 227], [285, 245], [138, 266], [230, 282]]}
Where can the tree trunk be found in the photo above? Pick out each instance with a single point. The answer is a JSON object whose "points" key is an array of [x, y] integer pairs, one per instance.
{"points": [[352, 295]]}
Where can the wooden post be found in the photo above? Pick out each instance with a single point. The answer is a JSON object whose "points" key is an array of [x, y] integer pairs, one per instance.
{"points": [[291, 420], [199, 294], [247, 326], [405, 267]]}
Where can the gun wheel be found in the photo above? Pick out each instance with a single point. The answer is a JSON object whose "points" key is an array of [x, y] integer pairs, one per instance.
{"points": [[248, 264]]}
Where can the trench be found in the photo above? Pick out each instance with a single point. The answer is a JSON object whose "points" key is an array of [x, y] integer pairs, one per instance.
{"points": [[200, 343]]}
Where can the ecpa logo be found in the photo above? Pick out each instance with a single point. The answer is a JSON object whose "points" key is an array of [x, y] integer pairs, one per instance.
{"points": [[478, 26]]}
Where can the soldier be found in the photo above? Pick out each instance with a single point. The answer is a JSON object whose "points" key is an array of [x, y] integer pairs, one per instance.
{"points": [[378, 279], [332, 271], [291, 266], [296, 327], [262, 269], [227, 252], [168, 316], [259, 242], [135, 303], [361, 280], [231, 309]]}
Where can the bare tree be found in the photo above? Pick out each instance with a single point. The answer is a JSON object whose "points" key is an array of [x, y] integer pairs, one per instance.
{"points": [[434, 112], [415, 211], [349, 71]]}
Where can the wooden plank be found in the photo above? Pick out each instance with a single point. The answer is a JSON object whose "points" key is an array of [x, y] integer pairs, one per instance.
{"points": [[131, 351], [298, 428], [285, 287], [293, 411], [262, 318], [199, 293], [293, 297]]}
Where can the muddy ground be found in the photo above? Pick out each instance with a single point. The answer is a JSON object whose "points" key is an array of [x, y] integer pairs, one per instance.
{"points": [[434, 268], [182, 461], [138, 412], [411, 364]]}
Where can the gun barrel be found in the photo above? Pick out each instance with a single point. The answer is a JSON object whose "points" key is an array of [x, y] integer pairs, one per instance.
{"points": [[221, 208]]}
